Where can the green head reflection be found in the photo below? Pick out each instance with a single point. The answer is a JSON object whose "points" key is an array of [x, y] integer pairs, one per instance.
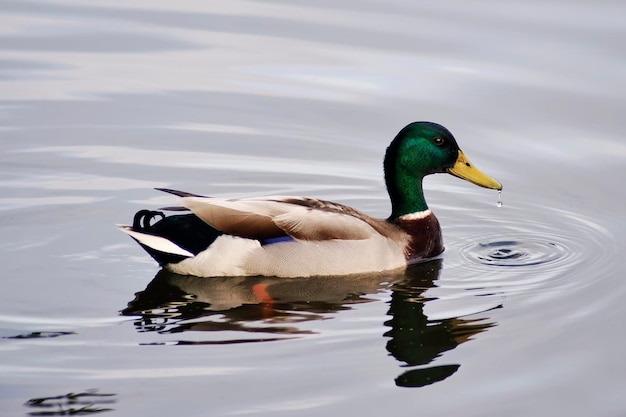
{"points": [[417, 341]]}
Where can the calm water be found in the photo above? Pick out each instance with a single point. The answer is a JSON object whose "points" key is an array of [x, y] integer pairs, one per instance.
{"points": [[101, 102]]}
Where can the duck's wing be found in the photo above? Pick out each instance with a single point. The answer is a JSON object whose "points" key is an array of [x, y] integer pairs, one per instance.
{"points": [[270, 217], [178, 192]]}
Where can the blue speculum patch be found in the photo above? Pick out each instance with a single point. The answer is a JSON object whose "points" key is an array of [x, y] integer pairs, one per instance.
{"points": [[276, 240]]}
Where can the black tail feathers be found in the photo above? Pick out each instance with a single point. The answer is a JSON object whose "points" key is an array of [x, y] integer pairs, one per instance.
{"points": [[143, 218], [185, 230]]}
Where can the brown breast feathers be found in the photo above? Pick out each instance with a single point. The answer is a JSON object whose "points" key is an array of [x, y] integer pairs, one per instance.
{"points": [[425, 236]]}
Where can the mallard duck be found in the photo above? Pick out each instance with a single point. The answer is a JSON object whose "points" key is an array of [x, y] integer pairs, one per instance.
{"points": [[302, 236]]}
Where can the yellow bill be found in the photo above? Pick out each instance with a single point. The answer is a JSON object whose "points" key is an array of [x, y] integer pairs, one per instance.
{"points": [[464, 169]]}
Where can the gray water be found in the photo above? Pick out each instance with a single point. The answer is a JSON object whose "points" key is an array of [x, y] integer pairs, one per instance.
{"points": [[101, 102]]}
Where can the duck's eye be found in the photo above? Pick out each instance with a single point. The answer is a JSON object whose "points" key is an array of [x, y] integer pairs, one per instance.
{"points": [[438, 141]]}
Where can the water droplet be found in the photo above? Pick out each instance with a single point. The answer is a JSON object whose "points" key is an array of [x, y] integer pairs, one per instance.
{"points": [[499, 203]]}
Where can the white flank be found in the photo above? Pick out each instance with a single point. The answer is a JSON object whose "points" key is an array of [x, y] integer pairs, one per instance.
{"points": [[417, 215], [155, 242], [236, 256], [225, 257]]}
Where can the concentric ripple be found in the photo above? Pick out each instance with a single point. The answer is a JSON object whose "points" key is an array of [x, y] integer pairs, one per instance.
{"points": [[521, 250], [518, 252]]}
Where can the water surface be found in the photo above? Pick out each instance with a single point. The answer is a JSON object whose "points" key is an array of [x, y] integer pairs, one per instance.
{"points": [[102, 102]]}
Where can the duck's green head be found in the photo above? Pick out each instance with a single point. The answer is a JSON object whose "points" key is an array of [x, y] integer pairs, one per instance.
{"points": [[420, 149]]}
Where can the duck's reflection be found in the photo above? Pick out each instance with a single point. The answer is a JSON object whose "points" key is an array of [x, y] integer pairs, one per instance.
{"points": [[174, 303]]}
